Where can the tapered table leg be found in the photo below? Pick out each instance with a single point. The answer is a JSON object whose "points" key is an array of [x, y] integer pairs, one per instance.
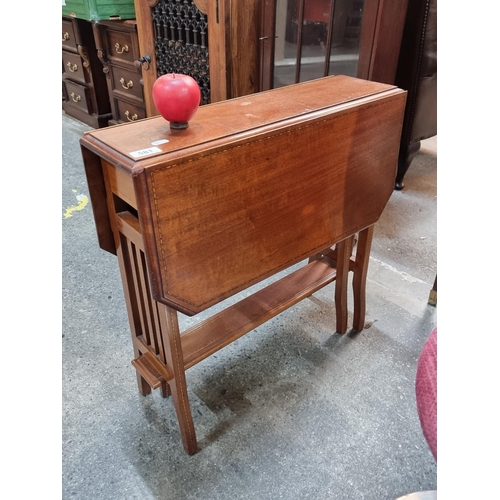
{"points": [[359, 277], [344, 249], [433, 293], [178, 388]]}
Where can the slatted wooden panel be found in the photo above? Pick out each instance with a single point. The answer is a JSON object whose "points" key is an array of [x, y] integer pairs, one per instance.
{"points": [[146, 310]]}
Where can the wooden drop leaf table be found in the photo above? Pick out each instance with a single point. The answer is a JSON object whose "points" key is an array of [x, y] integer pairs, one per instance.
{"points": [[253, 186]]}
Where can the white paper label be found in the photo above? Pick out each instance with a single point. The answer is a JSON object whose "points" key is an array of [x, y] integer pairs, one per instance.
{"points": [[144, 152], [161, 141]]}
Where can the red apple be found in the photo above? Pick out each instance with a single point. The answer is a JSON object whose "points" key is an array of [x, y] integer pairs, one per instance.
{"points": [[177, 98]]}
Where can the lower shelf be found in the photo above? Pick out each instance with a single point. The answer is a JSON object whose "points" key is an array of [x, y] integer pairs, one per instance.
{"points": [[208, 337]]}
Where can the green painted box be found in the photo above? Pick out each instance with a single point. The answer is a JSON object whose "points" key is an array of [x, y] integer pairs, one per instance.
{"points": [[99, 10]]}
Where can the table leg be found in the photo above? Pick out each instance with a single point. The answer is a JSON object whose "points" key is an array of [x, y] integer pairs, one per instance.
{"points": [[344, 249], [173, 351], [359, 277], [433, 293]]}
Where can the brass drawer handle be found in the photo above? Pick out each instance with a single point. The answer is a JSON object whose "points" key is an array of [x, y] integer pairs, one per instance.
{"points": [[134, 116], [65, 36], [127, 86], [72, 67], [122, 49], [77, 98]]}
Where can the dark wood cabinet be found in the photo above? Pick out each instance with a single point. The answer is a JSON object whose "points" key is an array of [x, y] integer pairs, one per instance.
{"points": [[215, 42], [84, 90], [307, 39], [118, 50], [235, 48]]}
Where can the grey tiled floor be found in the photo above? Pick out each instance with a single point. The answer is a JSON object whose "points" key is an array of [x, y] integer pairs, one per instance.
{"points": [[290, 411]]}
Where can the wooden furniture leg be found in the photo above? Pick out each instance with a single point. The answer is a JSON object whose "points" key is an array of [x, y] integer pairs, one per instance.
{"points": [[155, 207], [155, 330], [344, 249], [359, 277], [173, 350], [433, 294]]}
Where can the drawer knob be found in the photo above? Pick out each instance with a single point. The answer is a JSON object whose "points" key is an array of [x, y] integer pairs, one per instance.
{"points": [[72, 67], [127, 85], [75, 98], [142, 61], [119, 49], [134, 116], [65, 36]]}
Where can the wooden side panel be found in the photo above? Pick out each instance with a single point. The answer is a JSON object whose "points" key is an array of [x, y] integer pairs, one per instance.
{"points": [[236, 214], [219, 18], [147, 48], [381, 40], [120, 183], [369, 24], [267, 44], [245, 47], [97, 191]]}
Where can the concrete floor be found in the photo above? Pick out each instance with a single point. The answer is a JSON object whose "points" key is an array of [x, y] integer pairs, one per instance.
{"points": [[290, 411]]}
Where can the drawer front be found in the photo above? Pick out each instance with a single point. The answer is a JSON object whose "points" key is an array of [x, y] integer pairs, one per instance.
{"points": [[79, 95], [126, 83], [128, 112], [120, 46], [73, 66], [68, 35]]}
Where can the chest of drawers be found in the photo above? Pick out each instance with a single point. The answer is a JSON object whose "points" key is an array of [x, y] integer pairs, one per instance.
{"points": [[93, 10], [84, 89], [118, 49]]}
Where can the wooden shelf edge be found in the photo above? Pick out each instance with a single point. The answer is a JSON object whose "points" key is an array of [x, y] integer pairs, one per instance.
{"points": [[216, 332], [147, 365]]}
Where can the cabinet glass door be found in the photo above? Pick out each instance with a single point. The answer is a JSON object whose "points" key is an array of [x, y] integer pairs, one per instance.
{"points": [[315, 38]]}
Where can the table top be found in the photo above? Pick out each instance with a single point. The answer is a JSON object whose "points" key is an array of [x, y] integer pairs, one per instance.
{"points": [[152, 137], [257, 184]]}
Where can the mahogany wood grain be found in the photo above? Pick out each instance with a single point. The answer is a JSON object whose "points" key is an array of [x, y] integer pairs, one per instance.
{"points": [[147, 48], [223, 328], [219, 39], [267, 44], [253, 186], [381, 35], [147, 364], [95, 182], [120, 183], [125, 263], [359, 277], [178, 387], [244, 55], [344, 250], [202, 5], [216, 123], [267, 203]]}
